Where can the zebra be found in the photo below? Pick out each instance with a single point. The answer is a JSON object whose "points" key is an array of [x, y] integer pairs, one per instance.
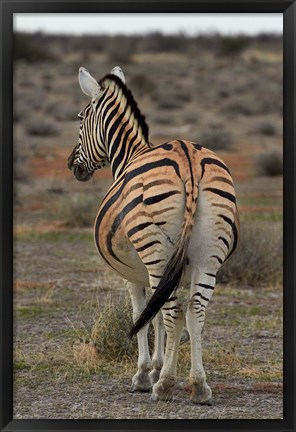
{"points": [[169, 221]]}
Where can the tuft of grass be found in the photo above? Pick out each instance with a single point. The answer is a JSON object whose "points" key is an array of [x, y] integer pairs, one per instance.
{"points": [[108, 341], [77, 209], [271, 163], [110, 330], [259, 255]]}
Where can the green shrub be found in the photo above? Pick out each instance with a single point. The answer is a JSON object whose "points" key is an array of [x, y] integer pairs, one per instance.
{"points": [[271, 163], [259, 255]]}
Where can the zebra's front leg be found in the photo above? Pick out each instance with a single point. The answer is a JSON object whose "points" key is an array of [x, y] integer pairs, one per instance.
{"points": [[173, 317], [202, 286], [141, 381]]}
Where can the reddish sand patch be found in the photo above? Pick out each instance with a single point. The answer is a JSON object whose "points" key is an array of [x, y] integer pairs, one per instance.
{"points": [[240, 166], [24, 285], [56, 167]]}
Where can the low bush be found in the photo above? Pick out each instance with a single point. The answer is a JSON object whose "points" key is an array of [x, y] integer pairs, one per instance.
{"points": [[229, 46], [31, 48], [77, 209], [264, 127], [41, 127], [63, 112], [271, 163], [163, 118], [119, 50], [169, 99], [216, 138], [259, 255], [142, 85], [191, 116]]}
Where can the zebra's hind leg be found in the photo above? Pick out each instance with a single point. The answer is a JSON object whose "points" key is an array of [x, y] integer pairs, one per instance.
{"points": [[173, 317], [141, 381], [157, 358], [202, 286]]}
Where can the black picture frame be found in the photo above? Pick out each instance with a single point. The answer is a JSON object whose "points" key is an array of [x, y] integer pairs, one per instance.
{"points": [[8, 8]]}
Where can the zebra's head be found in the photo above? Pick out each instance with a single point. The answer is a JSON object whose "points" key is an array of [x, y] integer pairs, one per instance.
{"points": [[90, 154]]}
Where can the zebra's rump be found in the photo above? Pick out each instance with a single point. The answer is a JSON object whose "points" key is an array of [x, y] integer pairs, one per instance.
{"points": [[141, 216]]}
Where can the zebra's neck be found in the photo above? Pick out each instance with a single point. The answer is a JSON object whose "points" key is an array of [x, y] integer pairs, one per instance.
{"points": [[124, 128]]}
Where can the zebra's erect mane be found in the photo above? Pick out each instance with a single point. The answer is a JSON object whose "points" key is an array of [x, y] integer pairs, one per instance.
{"points": [[131, 101]]}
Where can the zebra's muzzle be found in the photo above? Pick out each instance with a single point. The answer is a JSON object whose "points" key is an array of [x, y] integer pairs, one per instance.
{"points": [[81, 173]]}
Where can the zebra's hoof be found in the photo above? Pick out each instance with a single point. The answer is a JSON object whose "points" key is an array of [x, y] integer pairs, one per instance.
{"points": [[141, 382], [201, 395], [134, 388], [162, 392], [208, 402]]}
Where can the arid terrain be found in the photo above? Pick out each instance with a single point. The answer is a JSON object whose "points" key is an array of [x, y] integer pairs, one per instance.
{"points": [[72, 355]]}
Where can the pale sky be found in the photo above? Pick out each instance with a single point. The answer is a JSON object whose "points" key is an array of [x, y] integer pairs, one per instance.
{"points": [[128, 23]]}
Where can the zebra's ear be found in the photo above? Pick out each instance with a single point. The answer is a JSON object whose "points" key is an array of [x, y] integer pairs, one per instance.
{"points": [[88, 84], [119, 73]]}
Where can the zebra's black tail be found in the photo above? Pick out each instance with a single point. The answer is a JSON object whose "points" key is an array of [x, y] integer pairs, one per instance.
{"points": [[168, 284], [173, 271]]}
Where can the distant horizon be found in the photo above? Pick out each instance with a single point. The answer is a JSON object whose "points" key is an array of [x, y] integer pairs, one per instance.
{"points": [[142, 24]]}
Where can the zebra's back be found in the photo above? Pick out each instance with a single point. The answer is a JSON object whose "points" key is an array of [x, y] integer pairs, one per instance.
{"points": [[142, 215]]}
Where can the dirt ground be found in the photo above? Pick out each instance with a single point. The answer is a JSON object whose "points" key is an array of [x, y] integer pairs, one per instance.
{"points": [[56, 301]]}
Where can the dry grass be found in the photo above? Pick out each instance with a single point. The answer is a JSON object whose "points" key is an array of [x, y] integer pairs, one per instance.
{"points": [[110, 329]]}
